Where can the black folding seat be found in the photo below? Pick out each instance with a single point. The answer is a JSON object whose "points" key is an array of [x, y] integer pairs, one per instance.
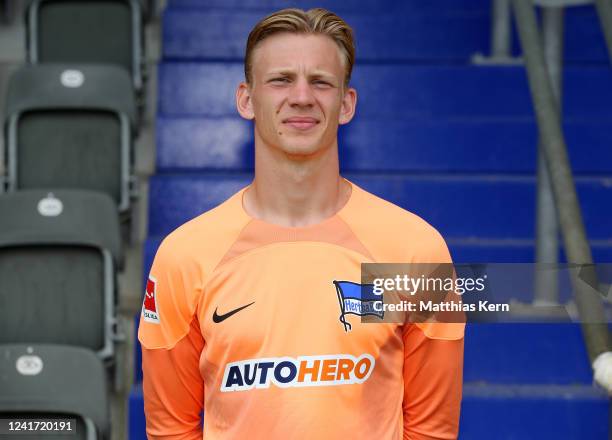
{"points": [[71, 127], [87, 31], [61, 384], [58, 254]]}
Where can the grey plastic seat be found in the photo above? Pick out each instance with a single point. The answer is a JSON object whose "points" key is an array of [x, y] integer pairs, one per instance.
{"points": [[87, 31], [54, 382], [58, 253], [71, 126]]}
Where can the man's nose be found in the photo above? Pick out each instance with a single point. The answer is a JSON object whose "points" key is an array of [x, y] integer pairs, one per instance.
{"points": [[300, 93]]}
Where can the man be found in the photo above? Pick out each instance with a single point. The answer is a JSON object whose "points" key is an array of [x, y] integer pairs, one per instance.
{"points": [[241, 316]]}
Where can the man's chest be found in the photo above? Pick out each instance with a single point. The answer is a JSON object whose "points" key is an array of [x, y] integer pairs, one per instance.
{"points": [[290, 301]]}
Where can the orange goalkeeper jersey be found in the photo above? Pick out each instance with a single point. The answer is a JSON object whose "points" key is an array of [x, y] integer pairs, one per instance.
{"points": [[242, 320]]}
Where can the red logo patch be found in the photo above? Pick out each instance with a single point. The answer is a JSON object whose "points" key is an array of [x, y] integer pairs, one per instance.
{"points": [[149, 306]]}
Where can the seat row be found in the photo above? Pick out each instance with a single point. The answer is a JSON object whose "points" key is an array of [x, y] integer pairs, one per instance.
{"points": [[71, 126], [59, 256], [71, 117]]}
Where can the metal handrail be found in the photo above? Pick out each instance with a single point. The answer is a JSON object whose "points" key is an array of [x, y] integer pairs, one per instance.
{"points": [[604, 11], [500, 37], [547, 227], [593, 324]]}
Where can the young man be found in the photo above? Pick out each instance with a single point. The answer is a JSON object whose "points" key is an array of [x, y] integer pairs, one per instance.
{"points": [[241, 315]]}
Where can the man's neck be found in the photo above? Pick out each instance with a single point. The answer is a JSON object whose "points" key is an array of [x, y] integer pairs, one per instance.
{"points": [[296, 192]]}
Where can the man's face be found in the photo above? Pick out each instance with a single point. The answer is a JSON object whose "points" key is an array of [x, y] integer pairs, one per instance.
{"points": [[297, 96]]}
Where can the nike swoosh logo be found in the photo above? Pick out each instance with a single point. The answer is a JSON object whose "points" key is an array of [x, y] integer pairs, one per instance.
{"points": [[220, 318]]}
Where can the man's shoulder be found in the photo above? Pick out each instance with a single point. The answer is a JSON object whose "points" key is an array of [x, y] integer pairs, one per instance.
{"points": [[388, 218], [394, 232], [392, 215], [210, 232]]}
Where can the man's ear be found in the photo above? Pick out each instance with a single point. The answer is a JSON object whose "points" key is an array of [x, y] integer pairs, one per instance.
{"points": [[243, 101], [349, 103]]}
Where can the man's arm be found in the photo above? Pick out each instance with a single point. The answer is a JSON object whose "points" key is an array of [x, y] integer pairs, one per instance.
{"points": [[173, 389], [172, 343], [433, 375], [433, 356]]}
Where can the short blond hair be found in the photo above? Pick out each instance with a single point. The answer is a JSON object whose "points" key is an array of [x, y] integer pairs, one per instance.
{"points": [[316, 21]]}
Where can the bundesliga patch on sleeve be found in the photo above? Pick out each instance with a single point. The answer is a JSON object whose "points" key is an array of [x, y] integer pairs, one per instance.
{"points": [[150, 312]]}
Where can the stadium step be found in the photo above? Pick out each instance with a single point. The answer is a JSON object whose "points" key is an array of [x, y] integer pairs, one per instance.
{"points": [[196, 29], [478, 145], [400, 92], [466, 206], [506, 412], [526, 353], [338, 6]]}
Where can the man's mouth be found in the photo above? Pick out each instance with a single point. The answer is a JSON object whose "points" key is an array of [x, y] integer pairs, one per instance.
{"points": [[301, 122]]}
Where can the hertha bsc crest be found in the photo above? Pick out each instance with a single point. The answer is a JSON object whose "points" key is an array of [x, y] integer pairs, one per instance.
{"points": [[150, 312], [357, 299]]}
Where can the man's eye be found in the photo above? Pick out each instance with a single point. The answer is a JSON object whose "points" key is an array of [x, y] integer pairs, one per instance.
{"points": [[321, 83], [280, 80]]}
